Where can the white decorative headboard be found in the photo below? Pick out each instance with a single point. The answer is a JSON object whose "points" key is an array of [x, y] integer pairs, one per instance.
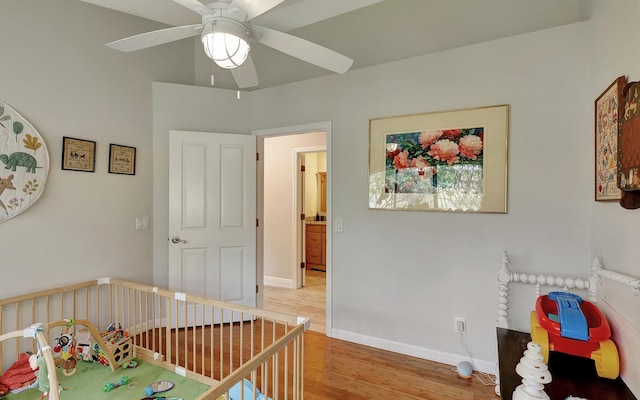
{"points": [[620, 308], [591, 284]]}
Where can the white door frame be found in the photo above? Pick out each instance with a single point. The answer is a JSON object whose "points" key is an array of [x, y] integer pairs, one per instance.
{"points": [[292, 130]]}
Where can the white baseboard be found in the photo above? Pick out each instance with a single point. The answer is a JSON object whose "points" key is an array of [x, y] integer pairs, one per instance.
{"points": [[279, 282], [414, 351]]}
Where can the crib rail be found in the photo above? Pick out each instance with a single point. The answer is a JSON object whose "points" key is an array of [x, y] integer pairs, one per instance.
{"points": [[230, 347]]}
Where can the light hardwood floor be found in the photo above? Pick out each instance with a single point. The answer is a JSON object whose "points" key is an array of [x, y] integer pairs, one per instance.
{"points": [[339, 370], [309, 301]]}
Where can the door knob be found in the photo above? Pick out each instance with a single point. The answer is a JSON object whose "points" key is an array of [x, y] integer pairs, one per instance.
{"points": [[176, 239]]}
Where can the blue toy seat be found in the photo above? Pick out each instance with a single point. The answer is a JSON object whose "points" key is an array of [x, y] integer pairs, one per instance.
{"points": [[235, 392], [573, 324]]}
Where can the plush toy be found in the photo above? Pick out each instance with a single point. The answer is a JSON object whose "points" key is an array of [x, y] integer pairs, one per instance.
{"points": [[39, 365]]}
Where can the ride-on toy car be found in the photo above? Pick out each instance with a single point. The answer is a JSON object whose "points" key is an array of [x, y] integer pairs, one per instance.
{"points": [[566, 323]]}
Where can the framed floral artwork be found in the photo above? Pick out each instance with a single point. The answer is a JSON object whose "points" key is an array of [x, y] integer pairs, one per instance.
{"points": [[608, 109], [452, 161]]}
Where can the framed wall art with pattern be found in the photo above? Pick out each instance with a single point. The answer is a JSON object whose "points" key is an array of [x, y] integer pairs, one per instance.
{"points": [[608, 109]]}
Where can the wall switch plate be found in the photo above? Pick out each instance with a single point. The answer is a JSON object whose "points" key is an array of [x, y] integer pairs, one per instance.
{"points": [[142, 223], [339, 225], [460, 325]]}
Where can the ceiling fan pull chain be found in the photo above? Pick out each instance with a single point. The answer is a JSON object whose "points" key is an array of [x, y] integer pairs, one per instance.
{"points": [[238, 76], [212, 70]]}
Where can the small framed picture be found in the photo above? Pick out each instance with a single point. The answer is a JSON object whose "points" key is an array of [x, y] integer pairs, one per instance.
{"points": [[122, 159], [78, 154]]}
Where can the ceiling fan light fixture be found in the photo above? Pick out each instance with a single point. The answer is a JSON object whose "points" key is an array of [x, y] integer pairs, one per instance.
{"points": [[225, 43], [226, 32]]}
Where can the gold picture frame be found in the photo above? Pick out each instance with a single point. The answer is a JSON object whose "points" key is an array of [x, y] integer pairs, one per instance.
{"points": [[122, 159], [454, 161], [78, 154]]}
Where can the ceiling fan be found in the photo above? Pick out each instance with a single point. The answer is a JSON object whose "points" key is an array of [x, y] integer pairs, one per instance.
{"points": [[226, 33]]}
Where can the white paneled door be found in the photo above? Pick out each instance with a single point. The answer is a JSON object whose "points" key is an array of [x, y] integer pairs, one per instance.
{"points": [[212, 215]]}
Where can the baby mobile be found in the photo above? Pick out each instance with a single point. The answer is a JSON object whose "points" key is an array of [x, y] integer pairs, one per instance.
{"points": [[66, 347]]}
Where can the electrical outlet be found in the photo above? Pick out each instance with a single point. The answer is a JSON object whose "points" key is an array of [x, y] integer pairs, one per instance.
{"points": [[460, 325]]}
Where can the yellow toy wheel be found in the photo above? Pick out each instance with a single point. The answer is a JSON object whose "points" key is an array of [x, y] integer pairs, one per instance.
{"points": [[539, 335], [607, 360]]}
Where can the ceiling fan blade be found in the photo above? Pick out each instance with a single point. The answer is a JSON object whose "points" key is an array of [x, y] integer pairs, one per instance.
{"points": [[253, 8], [293, 15], [246, 75], [305, 50], [195, 5], [154, 38]]}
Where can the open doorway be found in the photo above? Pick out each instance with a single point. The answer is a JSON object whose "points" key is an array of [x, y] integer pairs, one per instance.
{"points": [[281, 244], [312, 208]]}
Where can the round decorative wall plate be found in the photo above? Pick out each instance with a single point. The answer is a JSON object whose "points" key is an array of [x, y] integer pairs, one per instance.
{"points": [[24, 163]]}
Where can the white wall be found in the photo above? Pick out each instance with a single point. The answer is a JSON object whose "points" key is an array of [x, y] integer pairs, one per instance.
{"points": [[57, 72], [400, 278], [280, 220], [615, 32], [614, 229]]}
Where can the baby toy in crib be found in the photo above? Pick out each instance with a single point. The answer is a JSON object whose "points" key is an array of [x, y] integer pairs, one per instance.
{"points": [[39, 364], [566, 323], [112, 385], [158, 387], [66, 347]]}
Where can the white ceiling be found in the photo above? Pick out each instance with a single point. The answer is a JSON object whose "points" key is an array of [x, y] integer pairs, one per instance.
{"points": [[371, 31]]}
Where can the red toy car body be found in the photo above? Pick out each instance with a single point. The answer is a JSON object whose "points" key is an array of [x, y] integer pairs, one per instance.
{"points": [[547, 330]]}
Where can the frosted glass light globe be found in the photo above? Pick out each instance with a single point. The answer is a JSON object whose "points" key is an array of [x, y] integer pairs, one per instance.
{"points": [[225, 49]]}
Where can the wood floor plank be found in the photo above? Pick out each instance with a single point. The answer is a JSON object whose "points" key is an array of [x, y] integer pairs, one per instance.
{"points": [[336, 369], [309, 301], [339, 370]]}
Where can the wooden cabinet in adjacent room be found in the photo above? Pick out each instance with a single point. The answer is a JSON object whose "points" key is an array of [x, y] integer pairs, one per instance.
{"points": [[315, 248]]}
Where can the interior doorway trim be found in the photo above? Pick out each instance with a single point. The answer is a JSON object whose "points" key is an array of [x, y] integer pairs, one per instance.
{"points": [[292, 130]]}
